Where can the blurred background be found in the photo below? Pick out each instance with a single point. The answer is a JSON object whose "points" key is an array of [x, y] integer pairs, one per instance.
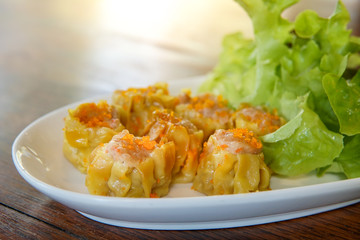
{"points": [[103, 44]]}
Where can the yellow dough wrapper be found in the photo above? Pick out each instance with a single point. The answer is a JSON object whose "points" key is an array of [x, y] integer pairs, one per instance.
{"points": [[130, 166], [86, 127], [232, 162]]}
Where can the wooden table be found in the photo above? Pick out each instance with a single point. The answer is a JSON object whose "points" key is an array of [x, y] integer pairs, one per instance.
{"points": [[49, 59]]}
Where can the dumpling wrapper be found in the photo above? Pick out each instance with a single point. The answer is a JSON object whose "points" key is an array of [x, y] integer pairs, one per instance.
{"points": [[207, 112], [130, 166], [232, 162], [135, 106], [166, 127], [87, 126]]}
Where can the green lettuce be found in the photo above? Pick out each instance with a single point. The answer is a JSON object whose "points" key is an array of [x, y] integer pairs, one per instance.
{"points": [[290, 150], [344, 97], [348, 161], [307, 70]]}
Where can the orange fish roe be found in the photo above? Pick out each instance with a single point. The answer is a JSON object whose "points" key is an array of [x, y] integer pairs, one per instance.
{"points": [[142, 91], [94, 115], [137, 99], [143, 142], [146, 142], [266, 121], [211, 106], [207, 101], [247, 136], [167, 117], [238, 150], [129, 138], [224, 146], [222, 113]]}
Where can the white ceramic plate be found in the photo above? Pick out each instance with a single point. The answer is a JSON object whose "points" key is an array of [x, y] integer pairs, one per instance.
{"points": [[37, 155]]}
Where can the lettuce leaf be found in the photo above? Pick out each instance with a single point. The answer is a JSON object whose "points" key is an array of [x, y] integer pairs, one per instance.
{"points": [[301, 68], [348, 161], [344, 97], [307, 146], [350, 157]]}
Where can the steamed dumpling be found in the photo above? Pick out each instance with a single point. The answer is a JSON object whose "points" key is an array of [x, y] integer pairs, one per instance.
{"points": [[257, 119], [86, 127], [207, 112], [135, 106], [166, 127], [232, 162], [130, 166]]}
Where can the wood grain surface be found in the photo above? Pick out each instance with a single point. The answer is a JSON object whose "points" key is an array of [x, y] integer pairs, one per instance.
{"points": [[50, 56]]}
